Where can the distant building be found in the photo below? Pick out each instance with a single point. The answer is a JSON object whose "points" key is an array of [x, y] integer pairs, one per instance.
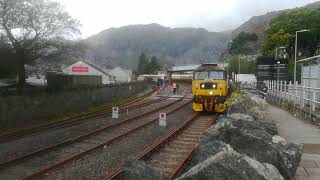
{"points": [[121, 75], [85, 68], [246, 78]]}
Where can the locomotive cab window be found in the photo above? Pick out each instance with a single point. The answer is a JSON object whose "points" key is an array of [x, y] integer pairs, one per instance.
{"points": [[201, 75], [216, 75]]}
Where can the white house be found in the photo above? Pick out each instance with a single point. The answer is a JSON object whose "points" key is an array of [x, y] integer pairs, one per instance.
{"points": [[121, 75], [85, 68]]}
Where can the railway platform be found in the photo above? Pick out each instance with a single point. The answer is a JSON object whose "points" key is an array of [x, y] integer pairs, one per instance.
{"points": [[300, 131]]}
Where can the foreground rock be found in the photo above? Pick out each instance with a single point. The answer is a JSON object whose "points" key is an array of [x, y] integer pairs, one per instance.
{"points": [[206, 149], [258, 140], [134, 169], [230, 165]]}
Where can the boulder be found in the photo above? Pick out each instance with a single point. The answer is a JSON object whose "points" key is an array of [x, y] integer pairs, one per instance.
{"points": [[257, 142], [259, 115], [230, 165], [206, 149], [212, 133], [134, 169], [238, 116]]}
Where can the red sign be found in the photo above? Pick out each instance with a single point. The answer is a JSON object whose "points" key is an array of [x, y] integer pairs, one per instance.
{"points": [[80, 69]]}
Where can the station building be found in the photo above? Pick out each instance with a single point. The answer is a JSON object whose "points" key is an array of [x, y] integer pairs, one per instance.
{"points": [[85, 68]]}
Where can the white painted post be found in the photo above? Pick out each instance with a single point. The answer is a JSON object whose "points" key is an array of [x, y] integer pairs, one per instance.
{"points": [[295, 95], [163, 119], [115, 112], [314, 100], [302, 98], [285, 92]]}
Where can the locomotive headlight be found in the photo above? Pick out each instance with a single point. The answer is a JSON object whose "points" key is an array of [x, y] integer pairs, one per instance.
{"points": [[214, 86], [210, 92], [202, 86]]}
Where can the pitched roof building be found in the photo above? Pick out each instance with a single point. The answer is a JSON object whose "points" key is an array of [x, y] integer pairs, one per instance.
{"points": [[85, 68]]}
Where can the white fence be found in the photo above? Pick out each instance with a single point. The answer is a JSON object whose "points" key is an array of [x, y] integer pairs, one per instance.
{"points": [[306, 99]]}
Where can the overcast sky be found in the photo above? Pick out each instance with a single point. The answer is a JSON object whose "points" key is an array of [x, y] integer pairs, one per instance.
{"points": [[214, 15]]}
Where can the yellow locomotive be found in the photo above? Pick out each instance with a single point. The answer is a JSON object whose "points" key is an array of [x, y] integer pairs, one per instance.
{"points": [[209, 88]]}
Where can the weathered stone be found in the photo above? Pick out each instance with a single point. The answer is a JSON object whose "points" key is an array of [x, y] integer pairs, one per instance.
{"points": [[212, 133], [134, 169], [230, 165], [206, 149], [259, 115], [279, 139], [257, 143], [238, 116]]}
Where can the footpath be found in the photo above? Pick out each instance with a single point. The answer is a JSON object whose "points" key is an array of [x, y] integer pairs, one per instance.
{"points": [[300, 131]]}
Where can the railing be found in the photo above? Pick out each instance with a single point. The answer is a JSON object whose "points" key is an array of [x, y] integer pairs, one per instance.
{"points": [[301, 97]]}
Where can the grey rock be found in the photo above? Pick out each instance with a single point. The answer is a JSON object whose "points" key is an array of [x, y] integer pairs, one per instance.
{"points": [[212, 133], [257, 143], [134, 169], [259, 115], [238, 116], [230, 165], [206, 149]]}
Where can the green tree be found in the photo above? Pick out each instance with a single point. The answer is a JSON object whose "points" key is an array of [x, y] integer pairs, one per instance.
{"points": [[30, 25], [246, 67], [153, 66], [240, 44], [283, 28], [143, 63]]}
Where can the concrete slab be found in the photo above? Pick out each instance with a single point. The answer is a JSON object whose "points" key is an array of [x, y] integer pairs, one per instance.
{"points": [[301, 172], [308, 163]]}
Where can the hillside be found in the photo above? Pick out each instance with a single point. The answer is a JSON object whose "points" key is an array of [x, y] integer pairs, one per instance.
{"points": [[258, 24], [122, 46]]}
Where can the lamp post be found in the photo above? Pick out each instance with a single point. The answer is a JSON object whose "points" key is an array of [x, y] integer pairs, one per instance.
{"points": [[239, 70], [295, 55]]}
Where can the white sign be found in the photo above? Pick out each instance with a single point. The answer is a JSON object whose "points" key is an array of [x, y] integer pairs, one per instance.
{"points": [[162, 119], [115, 112]]}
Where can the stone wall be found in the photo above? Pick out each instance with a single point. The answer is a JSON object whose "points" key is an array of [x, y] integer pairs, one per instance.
{"points": [[18, 111]]}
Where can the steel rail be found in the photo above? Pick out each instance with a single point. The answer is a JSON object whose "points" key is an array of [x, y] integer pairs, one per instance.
{"points": [[82, 137], [158, 143], [74, 120], [86, 152]]}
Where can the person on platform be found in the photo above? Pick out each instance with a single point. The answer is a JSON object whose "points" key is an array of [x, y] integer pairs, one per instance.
{"points": [[174, 87]]}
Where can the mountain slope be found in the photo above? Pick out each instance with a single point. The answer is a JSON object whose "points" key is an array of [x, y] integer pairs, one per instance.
{"points": [[122, 46], [258, 24]]}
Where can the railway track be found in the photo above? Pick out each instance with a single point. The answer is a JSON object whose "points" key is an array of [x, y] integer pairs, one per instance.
{"points": [[115, 131], [170, 153], [78, 119]]}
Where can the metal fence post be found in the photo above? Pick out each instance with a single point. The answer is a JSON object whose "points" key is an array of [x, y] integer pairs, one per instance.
{"points": [[314, 100], [295, 95], [289, 89], [302, 98], [285, 92]]}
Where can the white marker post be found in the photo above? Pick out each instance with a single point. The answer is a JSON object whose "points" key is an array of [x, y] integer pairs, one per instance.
{"points": [[163, 119], [115, 112]]}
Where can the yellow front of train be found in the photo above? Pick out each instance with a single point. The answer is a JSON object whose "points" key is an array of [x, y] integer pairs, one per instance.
{"points": [[209, 88]]}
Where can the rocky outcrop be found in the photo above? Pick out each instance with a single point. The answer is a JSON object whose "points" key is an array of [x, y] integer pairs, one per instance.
{"points": [[249, 131], [230, 165], [134, 169]]}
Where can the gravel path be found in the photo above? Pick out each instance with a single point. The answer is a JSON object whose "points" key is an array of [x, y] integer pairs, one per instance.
{"points": [[34, 142], [103, 161]]}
